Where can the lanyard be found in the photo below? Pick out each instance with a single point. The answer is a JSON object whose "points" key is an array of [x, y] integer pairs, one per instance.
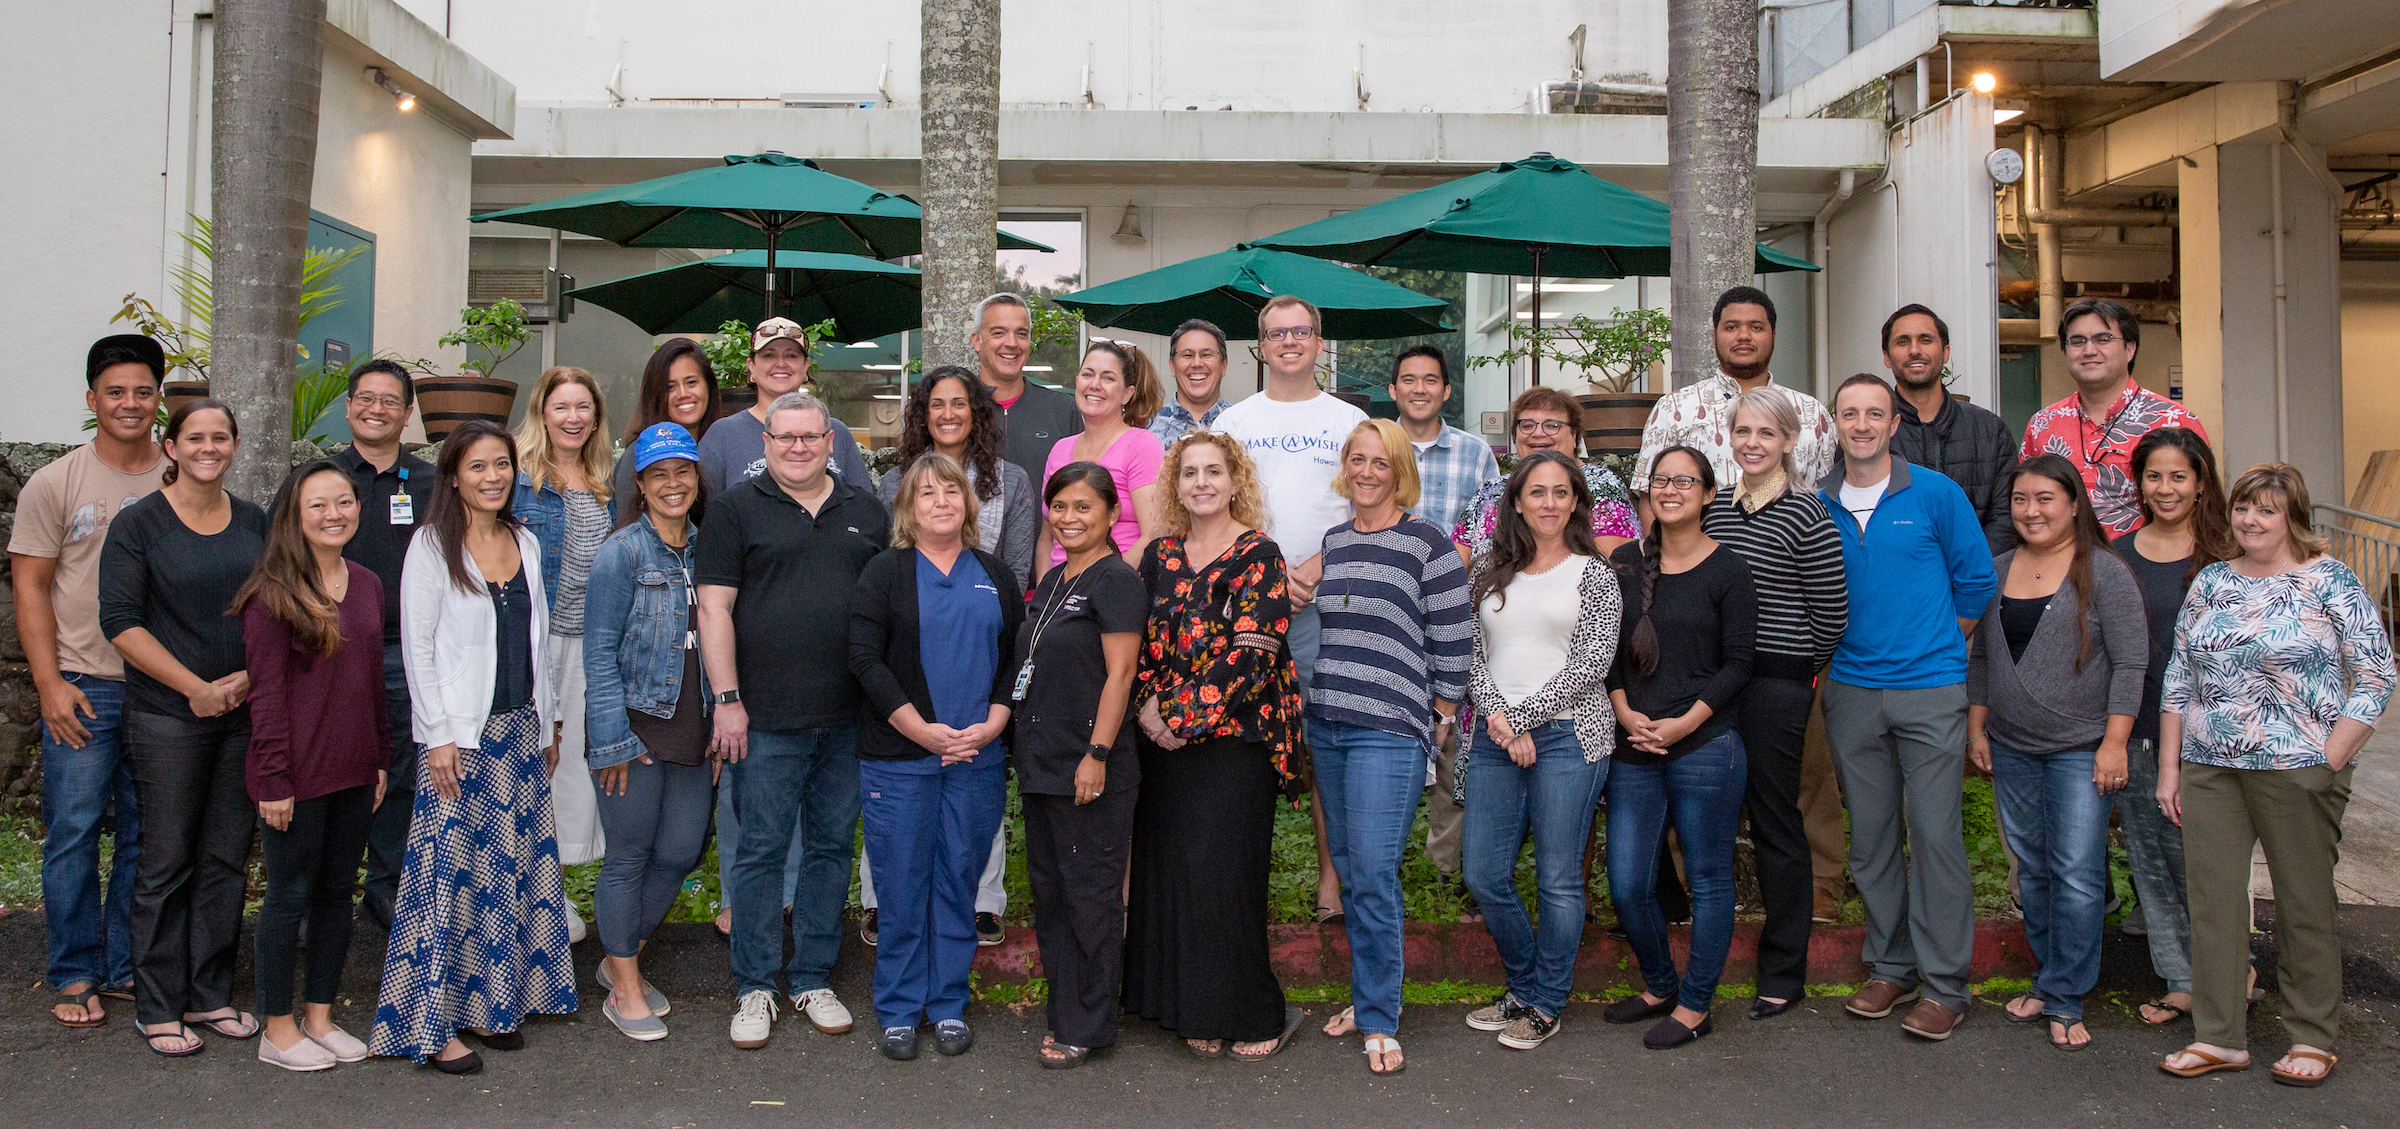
{"points": [[1049, 615]]}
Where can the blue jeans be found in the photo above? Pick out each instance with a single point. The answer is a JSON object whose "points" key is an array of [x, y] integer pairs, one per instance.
{"points": [[1302, 638], [804, 779], [729, 841], [2056, 821], [1701, 791], [91, 940], [656, 830], [931, 834], [1553, 801], [1369, 781]]}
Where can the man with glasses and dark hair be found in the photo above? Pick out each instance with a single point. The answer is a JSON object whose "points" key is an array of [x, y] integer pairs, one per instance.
{"points": [[1199, 355], [1939, 430], [1032, 418], [393, 490], [2098, 426], [63, 516], [729, 452], [1701, 416]]}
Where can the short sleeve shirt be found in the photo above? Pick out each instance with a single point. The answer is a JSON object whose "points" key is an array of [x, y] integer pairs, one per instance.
{"points": [[64, 514], [958, 625], [794, 573], [1061, 637], [1297, 447], [1132, 461]]}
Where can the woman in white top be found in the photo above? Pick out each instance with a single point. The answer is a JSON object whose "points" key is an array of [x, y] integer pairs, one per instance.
{"points": [[479, 930], [1546, 611]]}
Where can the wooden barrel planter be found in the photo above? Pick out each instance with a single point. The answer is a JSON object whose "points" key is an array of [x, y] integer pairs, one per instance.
{"points": [[444, 402], [1613, 421], [176, 393], [738, 399]]}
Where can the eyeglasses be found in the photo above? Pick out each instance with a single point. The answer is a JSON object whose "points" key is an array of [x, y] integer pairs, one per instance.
{"points": [[797, 438], [1678, 481], [1291, 333], [378, 400], [1189, 355], [2100, 340], [1542, 426]]}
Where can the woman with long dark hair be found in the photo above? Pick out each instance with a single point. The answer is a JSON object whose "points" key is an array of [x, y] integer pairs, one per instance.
{"points": [[168, 574], [479, 932], [2054, 678], [1677, 680], [1546, 612], [1220, 704], [312, 628], [679, 386], [2184, 529]]}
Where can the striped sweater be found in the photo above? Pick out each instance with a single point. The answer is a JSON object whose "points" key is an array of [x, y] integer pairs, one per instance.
{"points": [[1795, 558], [1398, 633]]}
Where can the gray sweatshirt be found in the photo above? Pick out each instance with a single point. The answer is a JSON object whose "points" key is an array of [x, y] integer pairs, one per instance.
{"points": [[2042, 704]]}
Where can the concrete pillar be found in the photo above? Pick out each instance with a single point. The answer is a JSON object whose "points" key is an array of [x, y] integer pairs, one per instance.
{"points": [[2232, 340]]}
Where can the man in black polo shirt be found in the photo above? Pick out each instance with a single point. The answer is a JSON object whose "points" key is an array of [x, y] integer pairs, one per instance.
{"points": [[777, 560], [393, 488]]}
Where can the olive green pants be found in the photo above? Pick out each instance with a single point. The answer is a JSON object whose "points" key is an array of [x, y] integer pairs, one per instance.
{"points": [[2296, 815]]}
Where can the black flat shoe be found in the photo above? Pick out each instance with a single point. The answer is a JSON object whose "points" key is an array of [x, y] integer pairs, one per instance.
{"points": [[1634, 1009], [467, 1063], [952, 1038], [1761, 1009], [1617, 931], [1670, 1034], [499, 1040], [899, 1044]]}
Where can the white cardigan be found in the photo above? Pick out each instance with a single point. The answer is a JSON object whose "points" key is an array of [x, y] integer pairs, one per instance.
{"points": [[450, 645]]}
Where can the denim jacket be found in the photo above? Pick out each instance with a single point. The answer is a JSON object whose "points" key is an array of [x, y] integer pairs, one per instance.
{"points": [[635, 614], [543, 513]]}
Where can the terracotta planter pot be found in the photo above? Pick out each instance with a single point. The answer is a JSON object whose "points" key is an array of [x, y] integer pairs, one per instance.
{"points": [[1613, 421], [176, 393], [445, 402], [742, 399]]}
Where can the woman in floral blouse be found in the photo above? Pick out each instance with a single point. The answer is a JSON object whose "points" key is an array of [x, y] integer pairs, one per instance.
{"points": [[1546, 419], [1220, 711], [2281, 668]]}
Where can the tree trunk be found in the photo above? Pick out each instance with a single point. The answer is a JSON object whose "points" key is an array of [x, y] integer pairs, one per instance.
{"points": [[960, 126], [264, 141], [1712, 165]]}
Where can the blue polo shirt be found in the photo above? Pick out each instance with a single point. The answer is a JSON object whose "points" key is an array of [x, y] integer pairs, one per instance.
{"points": [[958, 628]]}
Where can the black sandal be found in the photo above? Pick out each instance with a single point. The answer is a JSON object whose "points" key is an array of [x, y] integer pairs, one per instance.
{"points": [[2061, 1025], [238, 1031], [1292, 1018], [82, 999], [2009, 1009], [182, 1031], [2173, 1013], [1074, 1055]]}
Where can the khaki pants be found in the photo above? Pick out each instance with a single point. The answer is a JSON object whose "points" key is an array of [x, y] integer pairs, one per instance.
{"points": [[1821, 809], [2296, 816], [1443, 815]]}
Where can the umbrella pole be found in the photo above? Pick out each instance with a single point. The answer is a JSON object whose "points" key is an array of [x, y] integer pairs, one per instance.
{"points": [[1537, 312], [774, 234]]}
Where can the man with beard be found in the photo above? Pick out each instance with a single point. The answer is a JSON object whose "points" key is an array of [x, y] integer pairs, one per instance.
{"points": [[1939, 430], [2098, 427]]}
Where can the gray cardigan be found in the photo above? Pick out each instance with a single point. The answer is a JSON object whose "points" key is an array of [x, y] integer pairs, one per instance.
{"points": [[2043, 704]]}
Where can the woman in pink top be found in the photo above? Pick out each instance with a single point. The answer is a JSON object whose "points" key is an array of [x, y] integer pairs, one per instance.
{"points": [[1117, 391]]}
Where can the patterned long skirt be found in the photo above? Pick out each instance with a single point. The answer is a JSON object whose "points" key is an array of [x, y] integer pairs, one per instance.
{"points": [[479, 930]]}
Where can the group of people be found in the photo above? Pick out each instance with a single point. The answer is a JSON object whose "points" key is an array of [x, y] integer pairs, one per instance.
{"points": [[1164, 613]]}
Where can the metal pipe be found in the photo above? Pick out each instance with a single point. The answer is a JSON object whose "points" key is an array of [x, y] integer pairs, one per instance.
{"points": [[2287, 110], [2102, 217], [2049, 273], [1820, 311]]}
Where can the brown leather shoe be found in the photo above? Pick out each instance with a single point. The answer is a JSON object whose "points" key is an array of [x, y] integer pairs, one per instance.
{"points": [[1929, 1020], [1877, 999], [1828, 908]]}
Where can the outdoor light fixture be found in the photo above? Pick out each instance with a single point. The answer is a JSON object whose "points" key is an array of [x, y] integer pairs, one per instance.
{"points": [[1985, 82], [401, 98], [1129, 230]]}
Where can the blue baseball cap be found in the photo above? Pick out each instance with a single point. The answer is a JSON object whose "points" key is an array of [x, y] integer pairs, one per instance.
{"points": [[662, 441]]}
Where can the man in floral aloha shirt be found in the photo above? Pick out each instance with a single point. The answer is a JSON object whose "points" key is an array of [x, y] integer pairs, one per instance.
{"points": [[2098, 427]]}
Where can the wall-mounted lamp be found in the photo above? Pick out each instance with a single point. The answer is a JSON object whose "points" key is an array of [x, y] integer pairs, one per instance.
{"points": [[1984, 82], [401, 98], [1129, 230]]}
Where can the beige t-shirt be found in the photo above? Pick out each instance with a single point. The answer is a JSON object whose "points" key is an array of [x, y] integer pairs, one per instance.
{"points": [[64, 513]]}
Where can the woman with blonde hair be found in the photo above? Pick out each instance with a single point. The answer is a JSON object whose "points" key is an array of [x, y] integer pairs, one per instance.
{"points": [[563, 488], [1219, 708], [2280, 670]]}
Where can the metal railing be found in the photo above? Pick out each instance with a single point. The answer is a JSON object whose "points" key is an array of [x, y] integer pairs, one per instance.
{"points": [[2370, 545]]}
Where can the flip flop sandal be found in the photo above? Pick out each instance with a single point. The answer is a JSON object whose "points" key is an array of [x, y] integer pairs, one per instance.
{"points": [[238, 1031], [2161, 1004], [2060, 1027], [119, 992], [1383, 1045], [82, 999], [2010, 1010], [2209, 1064], [1292, 1018], [1207, 1048], [1074, 1055], [1348, 1014], [2305, 1081], [183, 1032], [1330, 916]]}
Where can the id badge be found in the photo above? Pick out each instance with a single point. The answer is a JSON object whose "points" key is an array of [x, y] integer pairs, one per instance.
{"points": [[404, 510], [1024, 679]]}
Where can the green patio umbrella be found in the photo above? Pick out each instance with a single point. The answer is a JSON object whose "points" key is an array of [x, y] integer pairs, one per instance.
{"points": [[866, 298], [1229, 287], [767, 200], [1542, 215]]}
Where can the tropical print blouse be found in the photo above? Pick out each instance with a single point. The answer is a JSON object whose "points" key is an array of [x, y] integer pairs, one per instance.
{"points": [[2104, 450], [1612, 510], [1213, 654], [2264, 666]]}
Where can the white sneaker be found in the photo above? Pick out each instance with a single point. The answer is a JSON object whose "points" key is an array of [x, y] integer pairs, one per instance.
{"points": [[574, 926], [754, 1019], [824, 1010]]}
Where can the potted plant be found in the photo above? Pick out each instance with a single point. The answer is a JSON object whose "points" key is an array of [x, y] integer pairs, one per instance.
{"points": [[1612, 355], [492, 334]]}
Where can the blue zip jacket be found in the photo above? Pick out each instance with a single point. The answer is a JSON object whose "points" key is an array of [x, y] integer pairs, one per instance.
{"points": [[1919, 567], [544, 514], [636, 611]]}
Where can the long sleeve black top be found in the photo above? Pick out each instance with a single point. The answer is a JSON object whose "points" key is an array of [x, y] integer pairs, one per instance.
{"points": [[1707, 623]]}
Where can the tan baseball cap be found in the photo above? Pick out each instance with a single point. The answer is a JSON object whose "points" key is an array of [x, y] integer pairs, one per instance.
{"points": [[773, 328]]}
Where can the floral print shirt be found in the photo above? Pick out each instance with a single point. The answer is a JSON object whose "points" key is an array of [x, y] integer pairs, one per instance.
{"points": [[1213, 654], [1612, 510], [1701, 417], [2264, 666], [2104, 450]]}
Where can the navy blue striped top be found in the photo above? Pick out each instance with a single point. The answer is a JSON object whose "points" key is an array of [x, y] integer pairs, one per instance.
{"points": [[1398, 632]]}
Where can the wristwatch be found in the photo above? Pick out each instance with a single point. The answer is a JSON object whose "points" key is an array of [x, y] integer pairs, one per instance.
{"points": [[726, 697], [1099, 752]]}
